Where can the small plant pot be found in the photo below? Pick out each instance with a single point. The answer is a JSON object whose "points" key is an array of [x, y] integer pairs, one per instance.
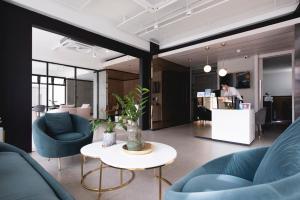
{"points": [[109, 139]]}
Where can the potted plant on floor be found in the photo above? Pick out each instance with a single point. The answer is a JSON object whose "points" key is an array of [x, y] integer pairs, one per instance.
{"points": [[132, 106], [109, 135]]}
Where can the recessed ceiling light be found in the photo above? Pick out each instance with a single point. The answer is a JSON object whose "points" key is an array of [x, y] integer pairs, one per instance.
{"points": [[107, 51], [238, 51], [155, 26]]}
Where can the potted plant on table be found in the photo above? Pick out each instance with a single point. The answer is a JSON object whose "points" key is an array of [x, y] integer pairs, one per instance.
{"points": [[132, 106], [109, 135]]}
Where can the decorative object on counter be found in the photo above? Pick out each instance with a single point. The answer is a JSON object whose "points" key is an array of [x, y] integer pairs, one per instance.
{"points": [[246, 106], [132, 106], [109, 135]]}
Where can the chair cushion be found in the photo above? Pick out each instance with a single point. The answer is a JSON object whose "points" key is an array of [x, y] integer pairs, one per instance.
{"points": [[20, 181], [283, 158], [58, 123], [214, 182], [68, 136]]}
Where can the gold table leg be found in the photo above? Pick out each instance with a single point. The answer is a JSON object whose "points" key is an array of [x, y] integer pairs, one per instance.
{"points": [[121, 176], [82, 161], [159, 183], [161, 179], [100, 180], [84, 175]]}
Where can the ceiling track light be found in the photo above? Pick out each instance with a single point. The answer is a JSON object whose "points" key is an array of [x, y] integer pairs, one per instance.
{"points": [[179, 16], [189, 12], [207, 67], [94, 52]]}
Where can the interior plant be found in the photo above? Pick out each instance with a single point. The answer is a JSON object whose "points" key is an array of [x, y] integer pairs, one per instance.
{"points": [[132, 106], [109, 135]]}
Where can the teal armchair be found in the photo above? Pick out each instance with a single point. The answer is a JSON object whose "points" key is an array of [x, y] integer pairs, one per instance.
{"points": [[23, 178], [264, 173], [65, 144]]}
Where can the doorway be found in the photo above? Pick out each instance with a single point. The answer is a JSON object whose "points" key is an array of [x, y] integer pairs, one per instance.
{"points": [[276, 89]]}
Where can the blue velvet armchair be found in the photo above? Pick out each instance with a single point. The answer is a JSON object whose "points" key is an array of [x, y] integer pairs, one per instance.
{"points": [[259, 174], [65, 144], [23, 178]]}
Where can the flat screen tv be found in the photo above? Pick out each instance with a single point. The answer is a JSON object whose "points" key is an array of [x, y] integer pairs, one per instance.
{"points": [[238, 80]]}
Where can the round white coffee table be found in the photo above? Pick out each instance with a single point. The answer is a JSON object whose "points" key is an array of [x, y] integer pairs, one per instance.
{"points": [[160, 156], [95, 150], [116, 157]]}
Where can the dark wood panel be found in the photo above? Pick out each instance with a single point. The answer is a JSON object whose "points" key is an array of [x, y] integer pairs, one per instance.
{"points": [[176, 100]]}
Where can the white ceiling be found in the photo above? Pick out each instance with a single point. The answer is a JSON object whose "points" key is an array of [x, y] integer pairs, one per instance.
{"points": [[261, 43], [46, 46], [126, 64], [133, 21]]}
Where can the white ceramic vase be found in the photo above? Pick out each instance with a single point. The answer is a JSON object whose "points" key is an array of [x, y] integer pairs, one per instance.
{"points": [[109, 139]]}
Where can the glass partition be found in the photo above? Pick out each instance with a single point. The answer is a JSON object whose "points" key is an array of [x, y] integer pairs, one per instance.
{"points": [[54, 85], [86, 90], [39, 72], [60, 92]]}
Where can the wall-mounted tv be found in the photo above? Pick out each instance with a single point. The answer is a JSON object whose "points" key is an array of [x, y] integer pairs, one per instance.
{"points": [[237, 80]]}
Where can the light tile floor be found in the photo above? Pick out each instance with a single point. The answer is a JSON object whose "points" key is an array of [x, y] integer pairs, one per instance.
{"points": [[192, 152]]}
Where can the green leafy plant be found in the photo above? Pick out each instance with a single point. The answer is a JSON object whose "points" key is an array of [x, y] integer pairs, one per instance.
{"points": [[107, 124], [132, 105]]}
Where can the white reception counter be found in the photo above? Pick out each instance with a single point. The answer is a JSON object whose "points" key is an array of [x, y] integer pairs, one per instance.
{"points": [[236, 126]]}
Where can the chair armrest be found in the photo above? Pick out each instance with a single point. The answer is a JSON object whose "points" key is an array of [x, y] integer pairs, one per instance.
{"points": [[81, 125], [284, 189], [9, 148], [57, 188], [241, 164]]}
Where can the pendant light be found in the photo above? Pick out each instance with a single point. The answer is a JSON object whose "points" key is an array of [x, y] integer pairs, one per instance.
{"points": [[223, 72], [207, 67]]}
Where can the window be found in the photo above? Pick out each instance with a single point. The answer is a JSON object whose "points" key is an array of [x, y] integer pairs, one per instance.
{"points": [[34, 79], [43, 79], [56, 91], [56, 84], [59, 81]]}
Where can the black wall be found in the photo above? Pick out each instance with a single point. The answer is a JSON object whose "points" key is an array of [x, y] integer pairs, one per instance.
{"points": [[15, 65]]}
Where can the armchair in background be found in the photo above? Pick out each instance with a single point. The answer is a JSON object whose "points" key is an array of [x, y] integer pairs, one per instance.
{"points": [[57, 135]]}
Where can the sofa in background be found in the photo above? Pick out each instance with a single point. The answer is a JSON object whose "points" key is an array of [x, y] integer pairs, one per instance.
{"points": [[83, 111], [64, 136], [262, 174], [23, 178]]}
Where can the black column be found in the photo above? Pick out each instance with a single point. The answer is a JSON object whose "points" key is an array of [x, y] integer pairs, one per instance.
{"points": [[145, 79], [15, 76], [297, 72]]}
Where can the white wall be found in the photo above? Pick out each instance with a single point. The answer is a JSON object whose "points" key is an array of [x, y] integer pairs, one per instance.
{"points": [[239, 65], [284, 80], [102, 94]]}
